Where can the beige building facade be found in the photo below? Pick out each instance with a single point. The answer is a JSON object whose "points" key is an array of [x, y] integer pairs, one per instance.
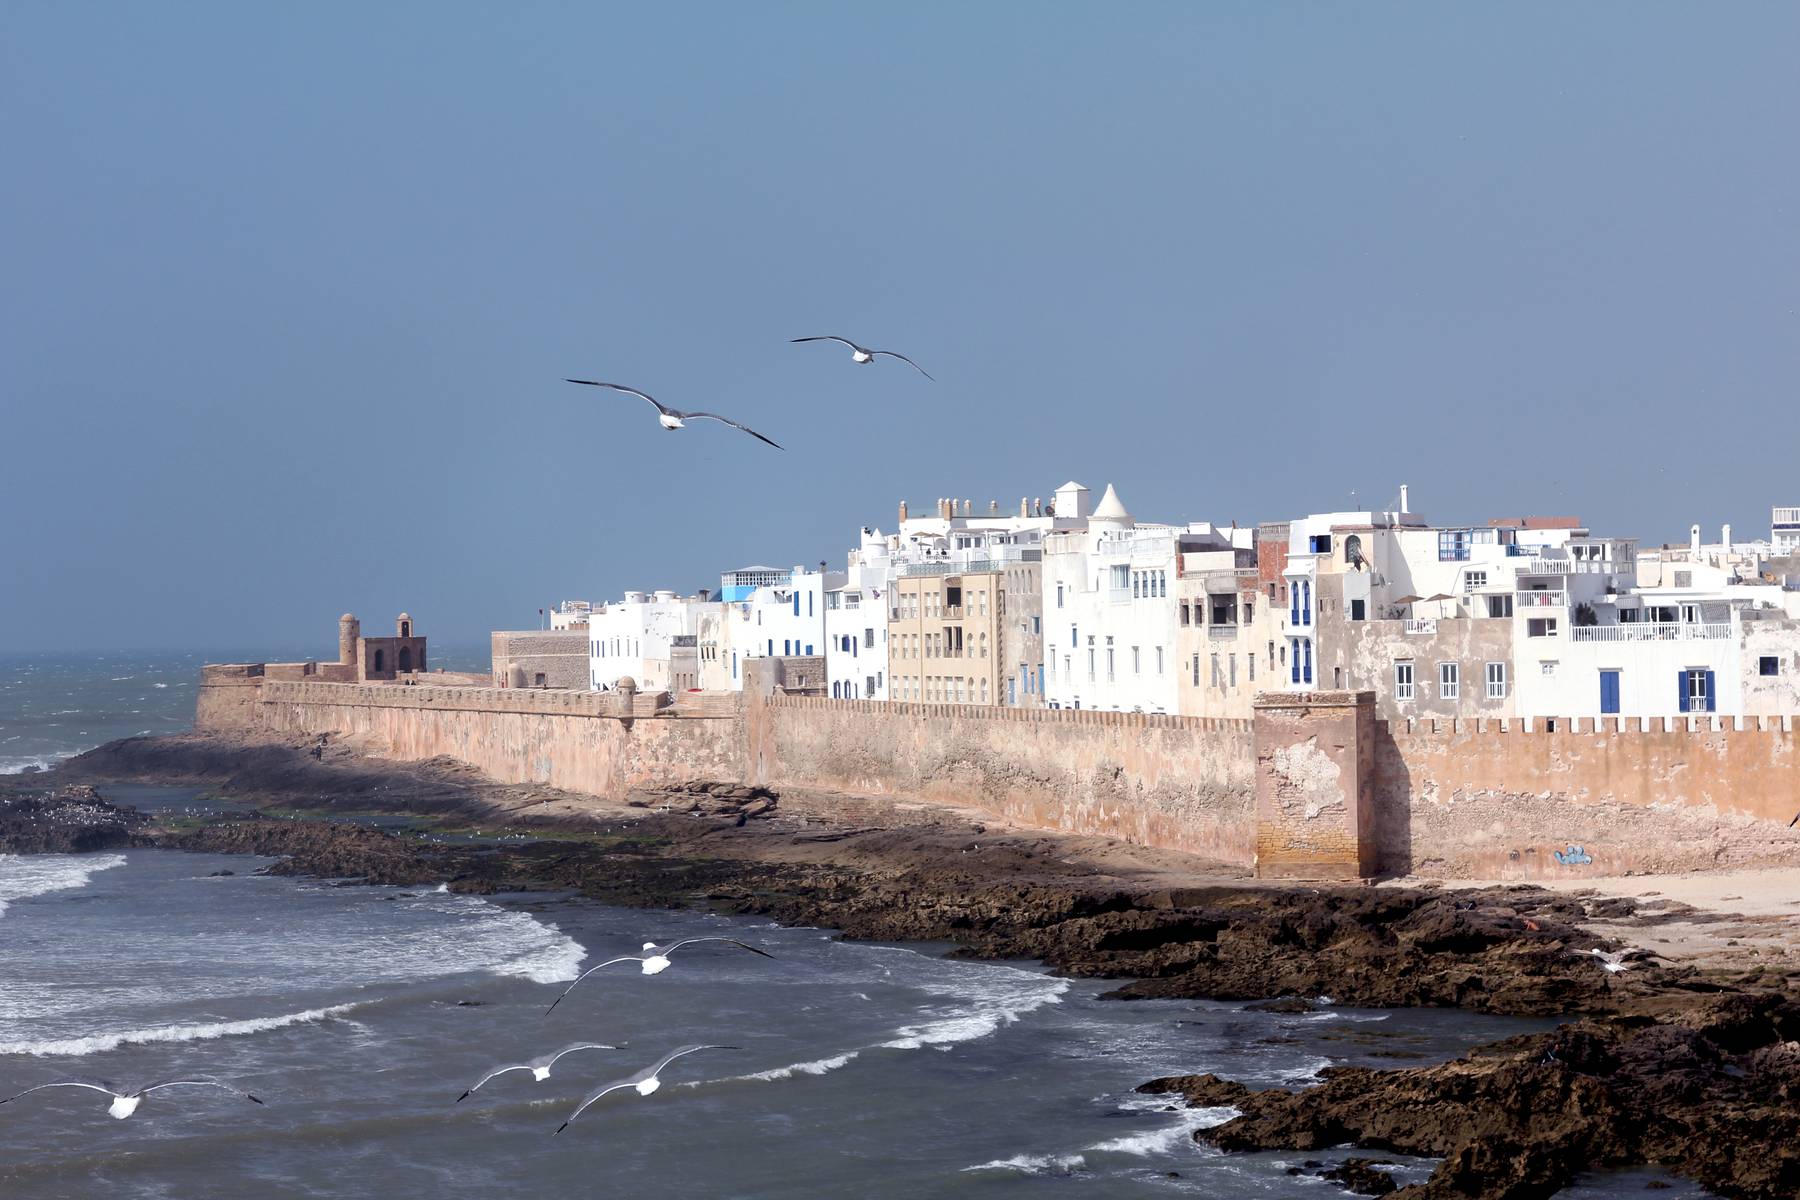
{"points": [[947, 638]]}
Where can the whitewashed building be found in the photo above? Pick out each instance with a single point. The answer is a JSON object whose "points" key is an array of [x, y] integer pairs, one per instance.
{"points": [[856, 622], [640, 634]]}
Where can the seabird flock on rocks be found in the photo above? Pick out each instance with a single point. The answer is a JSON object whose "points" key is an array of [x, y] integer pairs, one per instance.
{"points": [[675, 418], [653, 959]]}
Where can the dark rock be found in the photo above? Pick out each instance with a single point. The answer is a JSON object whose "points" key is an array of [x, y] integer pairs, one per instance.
{"points": [[72, 819], [1287, 1004], [1362, 1176], [218, 874]]}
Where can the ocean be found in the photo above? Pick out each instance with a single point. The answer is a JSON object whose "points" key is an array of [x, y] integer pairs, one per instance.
{"points": [[359, 1015]]}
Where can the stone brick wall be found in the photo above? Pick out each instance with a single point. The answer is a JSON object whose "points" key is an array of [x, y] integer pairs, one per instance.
{"points": [[230, 695], [1314, 777], [559, 656]]}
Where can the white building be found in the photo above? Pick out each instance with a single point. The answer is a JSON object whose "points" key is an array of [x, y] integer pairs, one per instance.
{"points": [[856, 620], [636, 637], [1784, 531], [1111, 637]]}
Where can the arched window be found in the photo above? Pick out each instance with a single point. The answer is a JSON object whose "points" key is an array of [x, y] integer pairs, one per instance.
{"points": [[405, 631], [1353, 550], [406, 658], [379, 660]]}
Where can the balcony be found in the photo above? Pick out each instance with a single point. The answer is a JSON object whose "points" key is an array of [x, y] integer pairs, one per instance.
{"points": [[1541, 599], [1222, 633], [993, 560], [1572, 566], [1422, 625], [1652, 631]]}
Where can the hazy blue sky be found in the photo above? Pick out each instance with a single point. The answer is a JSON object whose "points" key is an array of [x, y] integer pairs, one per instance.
{"points": [[289, 290]]}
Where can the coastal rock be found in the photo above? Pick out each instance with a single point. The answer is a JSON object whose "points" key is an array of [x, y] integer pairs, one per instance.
{"points": [[1362, 1176], [72, 819]]}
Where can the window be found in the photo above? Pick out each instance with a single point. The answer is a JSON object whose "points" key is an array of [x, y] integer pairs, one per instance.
{"points": [[1500, 606], [1196, 670], [1184, 613], [1252, 659], [1306, 675], [1697, 694], [1449, 681], [1218, 681], [1159, 669], [1037, 625], [1358, 610], [1319, 543], [1474, 581], [1768, 664], [1059, 594], [1109, 664], [1090, 664], [1540, 627], [1453, 545], [1135, 670], [1496, 681], [1684, 579], [868, 639], [1231, 661], [1403, 681]]}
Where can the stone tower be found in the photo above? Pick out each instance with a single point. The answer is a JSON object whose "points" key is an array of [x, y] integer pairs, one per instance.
{"points": [[403, 626], [349, 632]]}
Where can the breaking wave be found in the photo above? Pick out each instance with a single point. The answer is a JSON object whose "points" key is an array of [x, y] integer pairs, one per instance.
{"points": [[99, 1042], [22, 876], [816, 1067], [1002, 995], [1034, 1164]]}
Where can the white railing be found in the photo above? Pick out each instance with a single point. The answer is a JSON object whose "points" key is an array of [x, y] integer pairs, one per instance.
{"points": [[1221, 632], [1543, 599], [1651, 631], [1421, 625], [1787, 516], [1576, 566]]}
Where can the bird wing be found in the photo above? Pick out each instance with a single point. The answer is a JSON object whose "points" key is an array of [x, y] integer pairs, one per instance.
{"points": [[689, 941], [550, 1060], [828, 338], [197, 1081], [491, 1074], [614, 1086], [909, 362], [609, 962], [675, 1054], [98, 1085], [706, 416], [629, 391]]}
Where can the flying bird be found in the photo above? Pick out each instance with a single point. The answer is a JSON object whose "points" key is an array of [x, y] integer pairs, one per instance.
{"points": [[654, 959], [645, 1081], [1616, 960], [675, 418], [124, 1100], [539, 1066], [862, 354]]}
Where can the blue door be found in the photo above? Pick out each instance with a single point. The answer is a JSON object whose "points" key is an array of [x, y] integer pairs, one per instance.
{"points": [[1609, 692]]}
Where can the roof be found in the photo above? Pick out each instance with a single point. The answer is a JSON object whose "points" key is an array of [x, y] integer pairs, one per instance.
{"points": [[1073, 486], [1111, 508], [1536, 523]]}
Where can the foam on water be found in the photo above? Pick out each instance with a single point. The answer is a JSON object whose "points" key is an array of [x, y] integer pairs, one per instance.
{"points": [[816, 1067], [97, 1043], [1000, 996], [38, 762], [1034, 1164], [1307, 1072], [1181, 1132], [502, 941], [23, 876]]}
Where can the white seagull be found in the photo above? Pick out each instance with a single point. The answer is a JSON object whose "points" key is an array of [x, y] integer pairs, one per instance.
{"points": [[675, 418], [124, 1100], [654, 959], [645, 1081], [539, 1067], [862, 354], [1613, 960]]}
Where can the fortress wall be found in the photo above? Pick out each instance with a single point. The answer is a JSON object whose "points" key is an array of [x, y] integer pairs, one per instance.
{"points": [[1183, 783], [1470, 798], [582, 741], [1486, 799]]}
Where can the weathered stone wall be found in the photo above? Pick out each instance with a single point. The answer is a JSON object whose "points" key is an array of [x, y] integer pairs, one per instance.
{"points": [[1470, 798], [1314, 775], [1178, 782], [555, 658], [583, 741], [229, 696]]}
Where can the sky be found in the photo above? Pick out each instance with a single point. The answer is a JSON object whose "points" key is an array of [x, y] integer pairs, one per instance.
{"points": [[290, 291]]}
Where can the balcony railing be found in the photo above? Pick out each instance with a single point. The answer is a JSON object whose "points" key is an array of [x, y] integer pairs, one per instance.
{"points": [[994, 560], [1420, 625], [1652, 631], [1575, 566], [1222, 632], [1787, 516], [1541, 599]]}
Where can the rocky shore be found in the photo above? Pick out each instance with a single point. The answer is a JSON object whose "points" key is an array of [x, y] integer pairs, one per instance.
{"points": [[1671, 1064]]}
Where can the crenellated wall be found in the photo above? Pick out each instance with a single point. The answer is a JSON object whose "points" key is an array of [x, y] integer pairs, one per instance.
{"points": [[1451, 798]]}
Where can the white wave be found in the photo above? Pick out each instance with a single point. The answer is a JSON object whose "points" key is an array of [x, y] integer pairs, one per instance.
{"points": [[22, 876], [1169, 1137], [1034, 1164], [96, 1043], [999, 999], [816, 1067], [1307, 1072], [41, 762], [159, 685]]}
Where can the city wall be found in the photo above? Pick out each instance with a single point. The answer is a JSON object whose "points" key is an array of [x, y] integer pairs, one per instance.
{"points": [[1313, 787]]}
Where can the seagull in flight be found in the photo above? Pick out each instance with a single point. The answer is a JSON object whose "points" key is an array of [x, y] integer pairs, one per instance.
{"points": [[655, 960], [539, 1066], [124, 1100], [645, 1081], [675, 418], [862, 354], [1615, 960]]}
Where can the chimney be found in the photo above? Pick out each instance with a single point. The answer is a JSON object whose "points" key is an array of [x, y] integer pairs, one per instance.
{"points": [[1725, 537], [1694, 540], [1403, 507], [1024, 507], [903, 510], [1037, 507], [994, 508]]}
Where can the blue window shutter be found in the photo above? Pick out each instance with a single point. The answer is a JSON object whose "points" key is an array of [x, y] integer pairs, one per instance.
{"points": [[809, 649], [1681, 691], [1712, 694], [796, 604]]}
